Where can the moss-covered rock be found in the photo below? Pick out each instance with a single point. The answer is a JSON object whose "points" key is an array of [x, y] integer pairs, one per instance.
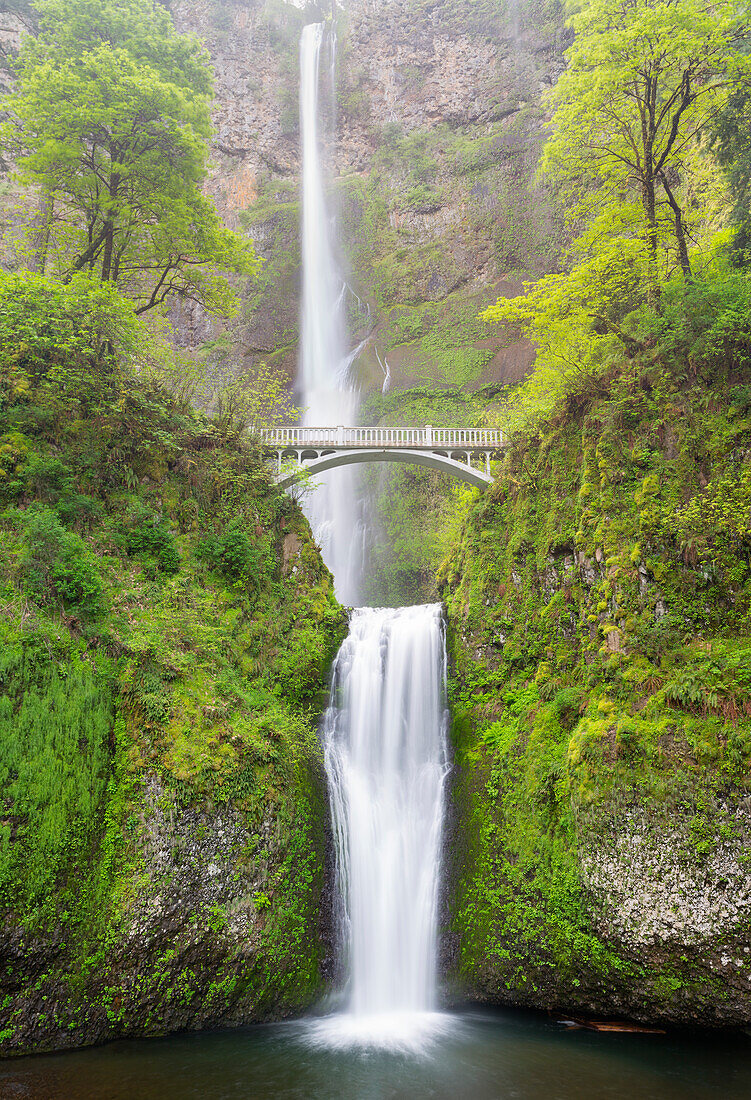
{"points": [[600, 631], [166, 629]]}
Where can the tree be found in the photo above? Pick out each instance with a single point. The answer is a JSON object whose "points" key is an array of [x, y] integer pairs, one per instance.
{"points": [[110, 119], [254, 400], [629, 153], [731, 143], [644, 81]]}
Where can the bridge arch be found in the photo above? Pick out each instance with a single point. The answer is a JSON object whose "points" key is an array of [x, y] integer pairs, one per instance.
{"points": [[461, 470]]}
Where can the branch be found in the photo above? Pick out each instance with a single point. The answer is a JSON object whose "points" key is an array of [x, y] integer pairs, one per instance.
{"points": [[631, 344], [89, 255], [686, 101], [155, 299]]}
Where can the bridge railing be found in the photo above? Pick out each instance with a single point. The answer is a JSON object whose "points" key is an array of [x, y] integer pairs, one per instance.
{"points": [[296, 436]]}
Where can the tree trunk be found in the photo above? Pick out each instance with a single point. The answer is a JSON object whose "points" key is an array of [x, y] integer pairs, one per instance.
{"points": [[109, 222], [650, 209], [680, 230], [109, 243], [42, 237], [89, 256]]}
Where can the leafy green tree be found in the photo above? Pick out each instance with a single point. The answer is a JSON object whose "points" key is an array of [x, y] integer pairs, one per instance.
{"points": [[257, 399], [645, 79], [574, 321], [110, 120], [76, 365], [61, 345], [731, 143], [628, 152]]}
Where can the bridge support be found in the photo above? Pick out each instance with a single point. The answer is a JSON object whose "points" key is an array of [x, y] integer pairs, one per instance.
{"points": [[346, 457]]}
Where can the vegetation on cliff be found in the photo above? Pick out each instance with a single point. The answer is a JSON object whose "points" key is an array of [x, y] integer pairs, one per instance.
{"points": [[634, 120], [600, 597], [600, 603], [167, 626], [109, 121]]}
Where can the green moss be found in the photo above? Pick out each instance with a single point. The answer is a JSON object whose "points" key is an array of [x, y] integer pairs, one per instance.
{"points": [[199, 677], [55, 721], [602, 668]]}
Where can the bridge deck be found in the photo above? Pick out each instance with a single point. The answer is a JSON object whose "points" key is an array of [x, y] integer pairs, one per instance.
{"points": [[427, 438]]}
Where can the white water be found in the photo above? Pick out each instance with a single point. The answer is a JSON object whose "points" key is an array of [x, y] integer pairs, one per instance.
{"points": [[385, 753], [384, 733], [329, 395]]}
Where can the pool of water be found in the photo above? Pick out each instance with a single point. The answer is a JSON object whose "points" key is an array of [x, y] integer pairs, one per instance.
{"points": [[472, 1055]]}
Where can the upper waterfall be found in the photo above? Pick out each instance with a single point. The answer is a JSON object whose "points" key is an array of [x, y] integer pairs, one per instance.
{"points": [[323, 326], [329, 395]]}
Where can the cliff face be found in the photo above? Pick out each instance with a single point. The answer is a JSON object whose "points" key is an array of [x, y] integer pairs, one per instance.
{"points": [[164, 830], [600, 606], [439, 125], [166, 630], [439, 128]]}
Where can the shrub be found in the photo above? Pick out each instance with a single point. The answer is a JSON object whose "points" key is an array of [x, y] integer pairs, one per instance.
{"points": [[234, 555], [567, 704], [57, 566], [50, 480], [61, 333], [151, 538]]}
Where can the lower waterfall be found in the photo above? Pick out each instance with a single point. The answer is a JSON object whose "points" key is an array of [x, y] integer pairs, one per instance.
{"points": [[385, 751], [384, 733]]}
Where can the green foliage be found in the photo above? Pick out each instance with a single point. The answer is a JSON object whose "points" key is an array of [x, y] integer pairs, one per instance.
{"points": [[718, 682], [55, 724], [567, 706], [574, 320], [237, 557], [642, 84], [628, 155], [600, 609], [48, 479], [167, 623], [57, 567], [421, 199], [254, 400], [109, 119], [583, 323], [731, 143], [62, 334], [78, 369], [150, 537]]}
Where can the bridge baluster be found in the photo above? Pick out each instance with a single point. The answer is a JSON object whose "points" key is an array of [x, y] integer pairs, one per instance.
{"points": [[453, 449]]}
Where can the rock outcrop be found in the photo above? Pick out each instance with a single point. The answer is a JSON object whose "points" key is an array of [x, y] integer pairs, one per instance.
{"points": [[438, 130], [602, 665]]}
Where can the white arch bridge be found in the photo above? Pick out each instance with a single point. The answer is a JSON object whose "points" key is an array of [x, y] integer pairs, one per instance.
{"points": [[463, 452]]}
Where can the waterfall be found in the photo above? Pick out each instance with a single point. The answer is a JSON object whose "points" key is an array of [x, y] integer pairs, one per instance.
{"points": [[385, 753], [384, 732], [329, 396]]}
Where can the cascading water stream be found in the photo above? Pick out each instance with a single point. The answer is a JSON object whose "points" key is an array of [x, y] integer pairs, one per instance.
{"points": [[384, 732], [385, 754], [328, 395]]}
